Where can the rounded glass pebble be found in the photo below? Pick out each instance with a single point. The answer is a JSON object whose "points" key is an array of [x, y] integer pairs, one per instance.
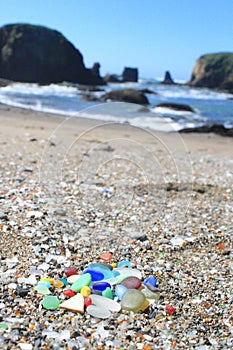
{"points": [[47, 279], [95, 275], [68, 293], [110, 304], [83, 280], [58, 284], [65, 282], [170, 309], [124, 263], [106, 256], [44, 283], [42, 290], [151, 280], [107, 293], [132, 282], [129, 271], [100, 286], [120, 290], [150, 294], [85, 291], [3, 326], [98, 311], [72, 270], [103, 269], [72, 279], [87, 301], [132, 300], [50, 303]]}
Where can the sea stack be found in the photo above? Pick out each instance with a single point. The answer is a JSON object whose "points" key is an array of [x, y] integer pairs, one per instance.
{"points": [[130, 74], [168, 79]]}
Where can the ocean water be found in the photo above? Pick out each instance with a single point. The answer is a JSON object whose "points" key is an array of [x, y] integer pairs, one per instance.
{"points": [[209, 106]]}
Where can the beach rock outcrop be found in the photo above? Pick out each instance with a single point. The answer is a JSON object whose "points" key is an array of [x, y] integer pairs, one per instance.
{"points": [[130, 74], [214, 128], [213, 71], [126, 95], [168, 79], [176, 106], [36, 54]]}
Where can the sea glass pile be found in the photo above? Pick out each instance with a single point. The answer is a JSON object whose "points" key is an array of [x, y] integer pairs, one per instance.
{"points": [[100, 289]]}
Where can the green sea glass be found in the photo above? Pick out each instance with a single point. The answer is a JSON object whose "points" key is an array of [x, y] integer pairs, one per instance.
{"points": [[51, 303]]}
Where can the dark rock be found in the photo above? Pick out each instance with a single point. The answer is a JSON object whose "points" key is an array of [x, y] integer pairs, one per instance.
{"points": [[22, 292], [214, 128], [30, 53], [96, 69], [89, 88], [139, 236], [213, 71], [143, 110], [112, 78], [130, 74], [148, 91], [126, 95], [27, 170], [168, 79], [176, 106], [90, 98]]}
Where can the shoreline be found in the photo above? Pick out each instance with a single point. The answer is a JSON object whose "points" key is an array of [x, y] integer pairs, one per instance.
{"points": [[48, 122], [72, 189]]}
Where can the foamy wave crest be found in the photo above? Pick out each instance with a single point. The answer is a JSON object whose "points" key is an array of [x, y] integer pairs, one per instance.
{"points": [[35, 89], [185, 92], [154, 123]]}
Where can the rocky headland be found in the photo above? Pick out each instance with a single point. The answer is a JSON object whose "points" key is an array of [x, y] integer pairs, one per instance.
{"points": [[214, 71], [36, 54]]}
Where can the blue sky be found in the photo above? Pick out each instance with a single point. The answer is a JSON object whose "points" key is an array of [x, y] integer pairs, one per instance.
{"points": [[153, 35]]}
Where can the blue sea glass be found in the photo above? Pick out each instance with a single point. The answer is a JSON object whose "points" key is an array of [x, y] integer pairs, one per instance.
{"points": [[95, 275], [124, 263], [120, 290], [44, 283], [100, 286], [101, 268], [150, 280]]}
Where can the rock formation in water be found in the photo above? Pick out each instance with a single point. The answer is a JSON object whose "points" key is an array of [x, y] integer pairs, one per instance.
{"points": [[176, 106], [213, 71], [126, 95], [168, 79], [130, 74], [31, 53]]}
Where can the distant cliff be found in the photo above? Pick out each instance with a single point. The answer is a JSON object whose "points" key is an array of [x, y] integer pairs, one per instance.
{"points": [[213, 71], [30, 53]]}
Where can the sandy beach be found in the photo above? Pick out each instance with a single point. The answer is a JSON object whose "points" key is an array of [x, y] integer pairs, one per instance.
{"points": [[73, 188]]}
